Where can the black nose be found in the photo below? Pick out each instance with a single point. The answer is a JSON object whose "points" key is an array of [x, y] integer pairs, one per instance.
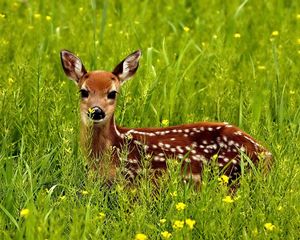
{"points": [[96, 113]]}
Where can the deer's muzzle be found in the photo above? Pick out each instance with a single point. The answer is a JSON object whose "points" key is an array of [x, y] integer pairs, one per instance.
{"points": [[96, 113]]}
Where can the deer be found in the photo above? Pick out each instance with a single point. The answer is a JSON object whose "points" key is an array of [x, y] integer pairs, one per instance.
{"points": [[192, 145]]}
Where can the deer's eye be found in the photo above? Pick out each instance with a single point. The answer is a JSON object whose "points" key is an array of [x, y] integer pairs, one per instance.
{"points": [[84, 93], [112, 95]]}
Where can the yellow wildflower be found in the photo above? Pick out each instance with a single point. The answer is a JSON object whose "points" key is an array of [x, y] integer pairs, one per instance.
{"points": [[37, 16], [298, 41], [2, 15], [140, 236], [84, 192], [48, 18], [101, 215], [237, 35], [275, 33], [279, 208], [223, 179], [166, 234], [228, 199], [162, 221], [180, 206], [24, 212], [165, 122], [298, 16], [190, 223], [178, 224], [186, 29], [81, 9], [11, 80], [269, 226], [63, 198], [261, 67]]}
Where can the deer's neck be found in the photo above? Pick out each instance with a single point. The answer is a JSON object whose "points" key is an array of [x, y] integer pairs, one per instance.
{"points": [[99, 139]]}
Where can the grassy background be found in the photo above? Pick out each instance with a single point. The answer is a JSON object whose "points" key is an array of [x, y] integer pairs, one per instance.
{"points": [[202, 60]]}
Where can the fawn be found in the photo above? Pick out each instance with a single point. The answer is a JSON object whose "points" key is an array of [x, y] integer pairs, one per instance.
{"points": [[194, 145]]}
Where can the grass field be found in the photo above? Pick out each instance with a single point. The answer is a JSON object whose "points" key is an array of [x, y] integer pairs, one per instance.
{"points": [[233, 61]]}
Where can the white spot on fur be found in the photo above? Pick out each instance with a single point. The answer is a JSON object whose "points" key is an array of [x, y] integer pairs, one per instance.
{"points": [[134, 161], [179, 149], [213, 146], [206, 150], [197, 157], [238, 133], [223, 145]]}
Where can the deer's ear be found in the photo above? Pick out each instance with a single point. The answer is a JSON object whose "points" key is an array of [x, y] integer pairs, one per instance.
{"points": [[72, 65], [127, 68]]}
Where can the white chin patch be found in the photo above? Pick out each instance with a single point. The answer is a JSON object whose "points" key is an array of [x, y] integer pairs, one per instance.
{"points": [[87, 121], [98, 121]]}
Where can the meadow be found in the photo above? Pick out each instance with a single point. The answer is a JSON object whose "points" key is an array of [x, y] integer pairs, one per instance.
{"points": [[233, 61]]}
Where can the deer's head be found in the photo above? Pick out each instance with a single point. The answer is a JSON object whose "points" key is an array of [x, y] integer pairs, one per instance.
{"points": [[98, 89]]}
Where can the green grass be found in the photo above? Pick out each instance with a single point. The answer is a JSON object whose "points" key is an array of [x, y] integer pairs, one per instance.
{"points": [[205, 74]]}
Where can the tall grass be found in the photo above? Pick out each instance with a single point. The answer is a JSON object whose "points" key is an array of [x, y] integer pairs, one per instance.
{"points": [[202, 61]]}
